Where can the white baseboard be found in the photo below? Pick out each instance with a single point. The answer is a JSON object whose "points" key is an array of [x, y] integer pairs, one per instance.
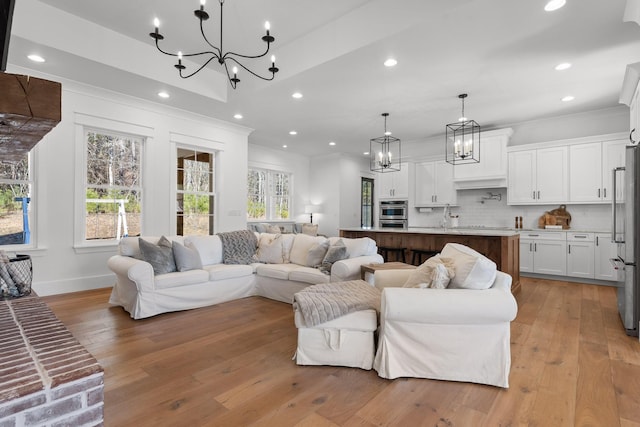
{"points": [[65, 286]]}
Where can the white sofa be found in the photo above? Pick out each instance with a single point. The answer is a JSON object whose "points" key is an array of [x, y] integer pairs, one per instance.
{"points": [[143, 294]]}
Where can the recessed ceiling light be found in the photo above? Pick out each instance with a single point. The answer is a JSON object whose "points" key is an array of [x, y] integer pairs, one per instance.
{"points": [[293, 132], [296, 95], [284, 146], [163, 94], [554, 5], [237, 116], [390, 62], [563, 66], [36, 58], [366, 153], [332, 143], [568, 98]]}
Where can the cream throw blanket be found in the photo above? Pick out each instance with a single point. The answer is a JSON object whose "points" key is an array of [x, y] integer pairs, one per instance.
{"points": [[327, 301]]}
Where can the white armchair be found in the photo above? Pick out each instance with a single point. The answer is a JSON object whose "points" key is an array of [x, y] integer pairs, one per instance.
{"points": [[445, 334]]}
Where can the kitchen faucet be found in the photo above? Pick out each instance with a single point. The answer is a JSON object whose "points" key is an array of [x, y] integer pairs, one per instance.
{"points": [[445, 216]]}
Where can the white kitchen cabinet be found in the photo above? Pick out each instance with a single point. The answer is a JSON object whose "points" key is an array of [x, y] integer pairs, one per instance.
{"points": [[580, 255], [538, 176], [526, 255], [394, 185], [604, 251], [434, 184], [590, 171], [491, 171], [543, 253]]}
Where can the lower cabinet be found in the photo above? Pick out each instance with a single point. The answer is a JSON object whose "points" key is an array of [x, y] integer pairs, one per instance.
{"points": [[605, 250], [543, 253], [572, 254], [580, 255]]}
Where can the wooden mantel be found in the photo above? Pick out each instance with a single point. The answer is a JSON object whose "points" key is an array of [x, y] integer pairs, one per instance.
{"points": [[29, 109], [501, 248]]}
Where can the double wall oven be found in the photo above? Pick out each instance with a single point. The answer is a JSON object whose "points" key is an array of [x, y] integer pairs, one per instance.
{"points": [[393, 214]]}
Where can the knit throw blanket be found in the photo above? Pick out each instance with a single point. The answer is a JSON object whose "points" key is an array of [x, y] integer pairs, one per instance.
{"points": [[238, 247], [327, 301]]}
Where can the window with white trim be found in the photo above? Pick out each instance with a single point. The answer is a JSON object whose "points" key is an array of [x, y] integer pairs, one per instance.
{"points": [[195, 192], [15, 201], [268, 195], [113, 190]]}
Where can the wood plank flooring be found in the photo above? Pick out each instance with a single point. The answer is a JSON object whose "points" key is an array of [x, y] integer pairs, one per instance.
{"points": [[230, 365]]}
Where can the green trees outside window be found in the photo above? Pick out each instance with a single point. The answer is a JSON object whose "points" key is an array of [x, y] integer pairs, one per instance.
{"points": [[268, 195]]}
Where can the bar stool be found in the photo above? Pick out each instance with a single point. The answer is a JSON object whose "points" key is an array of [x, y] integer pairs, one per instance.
{"points": [[398, 253], [419, 253]]}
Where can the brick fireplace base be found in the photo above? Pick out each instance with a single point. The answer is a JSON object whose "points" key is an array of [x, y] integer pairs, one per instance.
{"points": [[47, 378]]}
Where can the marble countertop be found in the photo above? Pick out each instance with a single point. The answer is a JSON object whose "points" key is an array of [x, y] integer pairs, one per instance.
{"points": [[473, 231], [439, 230]]}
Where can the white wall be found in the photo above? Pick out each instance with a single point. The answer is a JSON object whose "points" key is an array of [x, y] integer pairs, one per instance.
{"points": [[334, 182], [61, 262]]}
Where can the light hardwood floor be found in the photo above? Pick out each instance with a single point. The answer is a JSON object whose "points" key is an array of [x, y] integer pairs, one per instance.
{"points": [[230, 365]]}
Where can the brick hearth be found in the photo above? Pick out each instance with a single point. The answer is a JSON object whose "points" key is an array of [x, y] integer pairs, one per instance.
{"points": [[47, 378]]}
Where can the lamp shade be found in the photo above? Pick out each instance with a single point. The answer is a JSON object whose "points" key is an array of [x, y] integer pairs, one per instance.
{"points": [[310, 209]]}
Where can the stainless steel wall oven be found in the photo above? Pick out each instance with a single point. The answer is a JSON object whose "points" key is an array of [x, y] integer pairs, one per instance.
{"points": [[393, 214]]}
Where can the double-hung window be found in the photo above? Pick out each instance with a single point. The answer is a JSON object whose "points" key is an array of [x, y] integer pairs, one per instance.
{"points": [[269, 195], [113, 201], [195, 192], [15, 198]]}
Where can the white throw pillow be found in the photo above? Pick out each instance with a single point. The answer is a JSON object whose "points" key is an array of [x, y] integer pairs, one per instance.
{"points": [[473, 270], [300, 248], [435, 272], [359, 247], [270, 249]]}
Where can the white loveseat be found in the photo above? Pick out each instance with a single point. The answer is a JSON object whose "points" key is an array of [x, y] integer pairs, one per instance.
{"points": [[143, 294]]}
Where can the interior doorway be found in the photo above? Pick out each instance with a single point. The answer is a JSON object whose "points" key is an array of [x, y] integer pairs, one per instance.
{"points": [[366, 202]]}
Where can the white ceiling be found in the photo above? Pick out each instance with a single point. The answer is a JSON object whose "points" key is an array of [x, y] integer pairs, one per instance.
{"points": [[501, 52]]}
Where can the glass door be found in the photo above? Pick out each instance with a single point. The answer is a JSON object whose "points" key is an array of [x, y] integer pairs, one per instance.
{"points": [[366, 203]]}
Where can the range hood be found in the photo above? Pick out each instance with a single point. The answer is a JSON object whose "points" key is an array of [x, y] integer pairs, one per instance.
{"points": [[29, 109], [499, 181]]}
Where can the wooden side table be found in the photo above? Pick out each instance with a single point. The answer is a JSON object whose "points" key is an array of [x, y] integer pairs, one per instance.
{"points": [[371, 268]]}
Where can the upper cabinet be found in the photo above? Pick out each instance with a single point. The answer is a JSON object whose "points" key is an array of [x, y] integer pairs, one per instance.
{"points": [[590, 171], [433, 184], [491, 171], [393, 185], [538, 176]]}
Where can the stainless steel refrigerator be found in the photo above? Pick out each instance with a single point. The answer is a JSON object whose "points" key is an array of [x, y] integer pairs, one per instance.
{"points": [[625, 228]]}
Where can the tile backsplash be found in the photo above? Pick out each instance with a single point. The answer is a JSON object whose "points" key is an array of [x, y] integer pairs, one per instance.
{"points": [[488, 207]]}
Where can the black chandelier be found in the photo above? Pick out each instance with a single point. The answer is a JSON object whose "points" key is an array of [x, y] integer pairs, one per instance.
{"points": [[462, 139], [217, 52], [384, 151]]}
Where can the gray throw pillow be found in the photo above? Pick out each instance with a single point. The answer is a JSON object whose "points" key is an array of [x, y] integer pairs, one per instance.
{"points": [[160, 256], [336, 252], [187, 257]]}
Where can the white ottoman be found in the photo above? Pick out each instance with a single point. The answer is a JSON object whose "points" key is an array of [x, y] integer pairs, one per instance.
{"points": [[345, 341]]}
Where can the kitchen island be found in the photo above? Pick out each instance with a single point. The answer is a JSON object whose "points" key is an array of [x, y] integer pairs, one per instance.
{"points": [[502, 246]]}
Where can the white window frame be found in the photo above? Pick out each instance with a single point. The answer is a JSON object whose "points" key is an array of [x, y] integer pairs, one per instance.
{"points": [[190, 142], [269, 209], [84, 123], [31, 164], [211, 193]]}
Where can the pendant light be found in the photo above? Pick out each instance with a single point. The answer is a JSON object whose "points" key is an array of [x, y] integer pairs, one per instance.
{"points": [[462, 140], [385, 151]]}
